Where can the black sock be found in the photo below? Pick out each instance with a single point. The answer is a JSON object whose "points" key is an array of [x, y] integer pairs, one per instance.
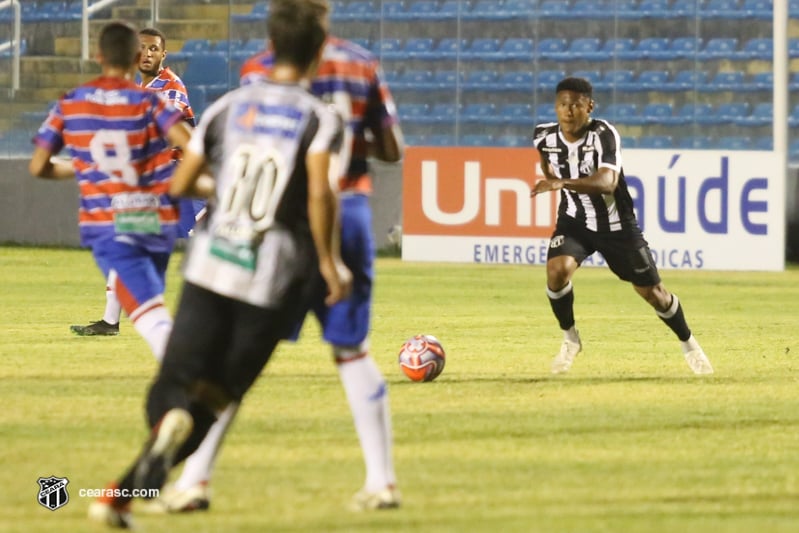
{"points": [[562, 303], [675, 319]]}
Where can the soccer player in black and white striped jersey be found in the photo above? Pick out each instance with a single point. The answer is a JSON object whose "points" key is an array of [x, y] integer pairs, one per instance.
{"points": [[581, 158]]}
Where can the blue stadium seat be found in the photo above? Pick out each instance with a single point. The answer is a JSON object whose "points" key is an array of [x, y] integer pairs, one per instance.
{"points": [[621, 47], [517, 114], [198, 99], [684, 8], [689, 80], [451, 9], [656, 9], [652, 80], [414, 140], [391, 10], [413, 80], [692, 112], [356, 11], [227, 47], [619, 80], [720, 48], [482, 48], [190, 48], [583, 49], [476, 139], [259, 12], [389, 49], [725, 81], [758, 9], [793, 147], [547, 80], [656, 142], [628, 142], [363, 42], [555, 9], [721, 9], [445, 79], [550, 48], [685, 47], [793, 118], [482, 113], [793, 48], [734, 143], [423, 10], [762, 81], [448, 48], [517, 48], [439, 140], [208, 70], [481, 80], [514, 141], [661, 113], [545, 113], [591, 9], [443, 113], [759, 48], [655, 48], [521, 8], [594, 77], [522, 80], [487, 10], [696, 143], [762, 115], [765, 142], [418, 47], [413, 112], [621, 114], [249, 49], [726, 113]]}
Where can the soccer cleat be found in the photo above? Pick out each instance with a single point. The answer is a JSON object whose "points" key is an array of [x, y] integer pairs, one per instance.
{"points": [[103, 511], [99, 328], [388, 498], [699, 362], [563, 361], [155, 462], [172, 500]]}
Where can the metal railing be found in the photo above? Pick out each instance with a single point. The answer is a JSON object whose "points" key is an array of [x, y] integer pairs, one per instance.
{"points": [[87, 12], [15, 43]]}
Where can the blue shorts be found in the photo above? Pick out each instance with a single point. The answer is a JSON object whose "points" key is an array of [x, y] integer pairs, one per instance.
{"points": [[141, 274], [347, 322], [188, 209]]}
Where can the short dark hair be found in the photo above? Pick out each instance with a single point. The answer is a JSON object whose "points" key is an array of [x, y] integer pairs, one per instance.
{"points": [[153, 32], [119, 44], [297, 29], [578, 85]]}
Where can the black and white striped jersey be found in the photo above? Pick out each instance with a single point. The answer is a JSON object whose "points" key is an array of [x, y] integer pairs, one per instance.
{"points": [[599, 147]]}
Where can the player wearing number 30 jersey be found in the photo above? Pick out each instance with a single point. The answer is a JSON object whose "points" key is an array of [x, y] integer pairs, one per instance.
{"points": [[119, 138]]}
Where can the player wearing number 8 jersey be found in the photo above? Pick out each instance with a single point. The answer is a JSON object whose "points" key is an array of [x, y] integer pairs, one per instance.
{"points": [[119, 138]]}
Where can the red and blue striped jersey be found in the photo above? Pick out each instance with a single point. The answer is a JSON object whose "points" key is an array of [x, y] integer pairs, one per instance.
{"points": [[171, 87], [115, 133], [350, 78]]}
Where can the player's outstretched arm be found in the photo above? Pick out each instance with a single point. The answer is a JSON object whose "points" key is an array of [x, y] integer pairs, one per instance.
{"points": [[321, 214], [190, 178], [388, 144], [44, 165]]}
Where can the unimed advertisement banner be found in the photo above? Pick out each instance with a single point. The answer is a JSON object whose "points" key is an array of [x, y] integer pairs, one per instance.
{"points": [[699, 209]]}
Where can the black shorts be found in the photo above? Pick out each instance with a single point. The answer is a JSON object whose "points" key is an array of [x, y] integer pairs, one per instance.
{"points": [[223, 341], [626, 252]]}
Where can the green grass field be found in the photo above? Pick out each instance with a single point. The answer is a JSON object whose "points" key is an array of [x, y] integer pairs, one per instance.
{"points": [[630, 440]]}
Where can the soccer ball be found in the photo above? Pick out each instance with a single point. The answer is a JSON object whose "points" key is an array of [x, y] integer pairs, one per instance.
{"points": [[422, 358]]}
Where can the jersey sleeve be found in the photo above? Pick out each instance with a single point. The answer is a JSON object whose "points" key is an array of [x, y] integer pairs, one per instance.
{"points": [[609, 147], [381, 111], [330, 133], [50, 135], [539, 134], [164, 114]]}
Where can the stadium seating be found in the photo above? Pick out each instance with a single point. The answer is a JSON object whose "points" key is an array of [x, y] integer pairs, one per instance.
{"points": [[517, 114], [476, 139], [762, 115], [734, 142], [656, 142]]}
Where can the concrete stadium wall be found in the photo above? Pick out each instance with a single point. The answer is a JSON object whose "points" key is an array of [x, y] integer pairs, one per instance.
{"points": [[43, 212]]}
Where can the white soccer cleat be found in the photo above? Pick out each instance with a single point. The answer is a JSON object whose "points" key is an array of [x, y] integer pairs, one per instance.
{"points": [[103, 512], [172, 500], [698, 362], [565, 358], [388, 498]]}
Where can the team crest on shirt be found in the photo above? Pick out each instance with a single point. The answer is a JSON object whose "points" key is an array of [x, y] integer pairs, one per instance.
{"points": [[53, 492]]}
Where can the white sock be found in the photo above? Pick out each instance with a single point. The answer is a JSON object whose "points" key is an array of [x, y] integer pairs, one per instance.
{"points": [[690, 345], [200, 465], [153, 322], [112, 306], [368, 398], [571, 335]]}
